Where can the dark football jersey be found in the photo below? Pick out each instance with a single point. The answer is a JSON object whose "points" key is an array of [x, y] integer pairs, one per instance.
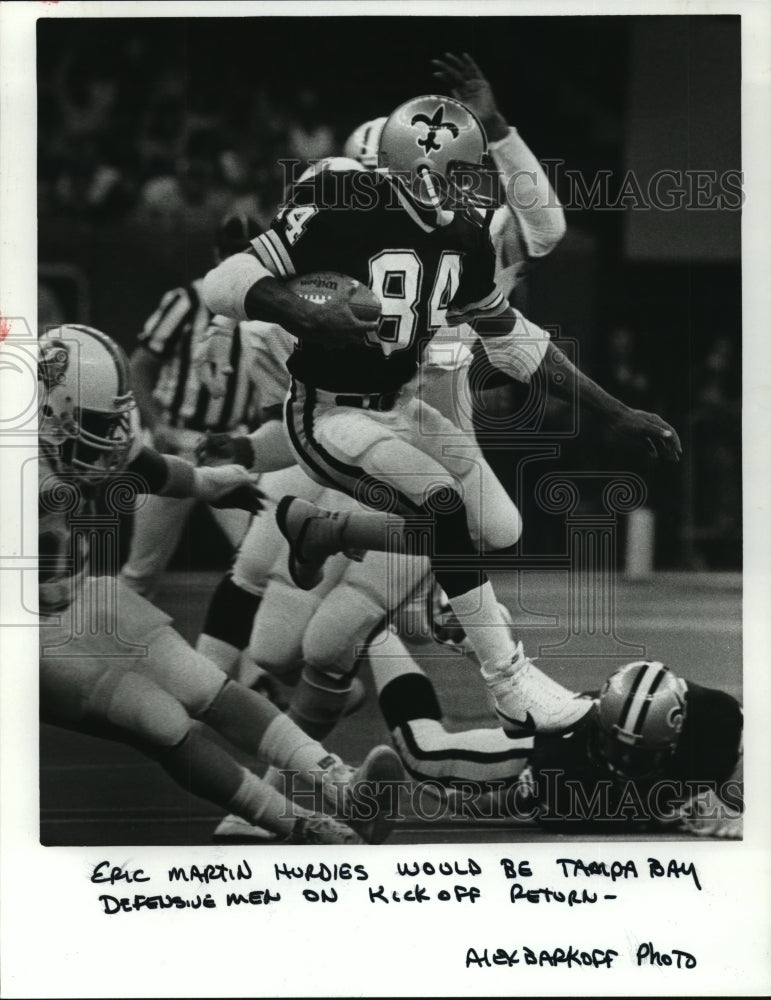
{"points": [[574, 787], [363, 225]]}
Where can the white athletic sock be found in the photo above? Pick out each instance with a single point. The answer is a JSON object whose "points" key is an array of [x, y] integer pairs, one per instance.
{"points": [[286, 746], [261, 805], [489, 634], [273, 778]]}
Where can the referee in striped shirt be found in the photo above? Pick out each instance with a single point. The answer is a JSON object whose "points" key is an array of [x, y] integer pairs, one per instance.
{"points": [[176, 409]]}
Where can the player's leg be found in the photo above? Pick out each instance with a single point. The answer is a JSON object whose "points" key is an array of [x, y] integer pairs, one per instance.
{"points": [[376, 460], [127, 705], [494, 521], [275, 652], [158, 525], [255, 726], [391, 470], [236, 600], [335, 637], [276, 641], [476, 759], [90, 682]]}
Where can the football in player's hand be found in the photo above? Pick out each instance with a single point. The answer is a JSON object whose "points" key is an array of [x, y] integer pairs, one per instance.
{"points": [[327, 286]]}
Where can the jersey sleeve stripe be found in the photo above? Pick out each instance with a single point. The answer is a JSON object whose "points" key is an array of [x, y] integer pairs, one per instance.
{"points": [[284, 259], [493, 304], [262, 251]]}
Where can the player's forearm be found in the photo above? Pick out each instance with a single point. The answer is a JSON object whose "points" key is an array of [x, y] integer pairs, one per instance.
{"points": [[164, 475], [170, 476], [565, 381], [242, 288], [144, 375], [271, 450], [271, 301], [516, 355], [532, 212]]}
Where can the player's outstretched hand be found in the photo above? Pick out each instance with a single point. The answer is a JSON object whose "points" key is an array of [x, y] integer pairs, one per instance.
{"points": [[649, 429], [224, 449], [467, 83], [706, 815], [229, 486]]}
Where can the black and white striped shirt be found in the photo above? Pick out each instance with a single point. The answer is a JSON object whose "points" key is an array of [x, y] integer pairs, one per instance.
{"points": [[173, 333]]}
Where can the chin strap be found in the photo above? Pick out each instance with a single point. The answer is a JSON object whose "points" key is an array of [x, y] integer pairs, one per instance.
{"points": [[443, 216]]}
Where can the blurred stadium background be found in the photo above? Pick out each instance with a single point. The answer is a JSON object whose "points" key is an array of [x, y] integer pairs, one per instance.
{"points": [[151, 129]]}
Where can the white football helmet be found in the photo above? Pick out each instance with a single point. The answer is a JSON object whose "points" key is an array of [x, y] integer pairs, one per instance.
{"points": [[86, 407], [438, 148], [364, 142], [640, 715]]}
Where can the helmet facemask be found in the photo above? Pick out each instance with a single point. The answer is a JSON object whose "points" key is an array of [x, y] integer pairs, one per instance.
{"points": [[91, 444], [476, 184], [103, 444], [625, 760], [437, 149]]}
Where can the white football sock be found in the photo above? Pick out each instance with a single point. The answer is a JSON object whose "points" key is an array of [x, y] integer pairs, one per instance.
{"points": [[289, 748], [259, 804], [489, 634]]}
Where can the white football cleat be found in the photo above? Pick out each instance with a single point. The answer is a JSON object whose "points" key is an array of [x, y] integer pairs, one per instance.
{"points": [[527, 701], [380, 771]]}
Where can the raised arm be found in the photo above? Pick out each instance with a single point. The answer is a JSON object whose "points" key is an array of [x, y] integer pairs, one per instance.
{"points": [[531, 221]]}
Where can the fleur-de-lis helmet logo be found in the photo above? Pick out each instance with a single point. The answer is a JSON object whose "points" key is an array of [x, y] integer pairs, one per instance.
{"points": [[434, 125]]}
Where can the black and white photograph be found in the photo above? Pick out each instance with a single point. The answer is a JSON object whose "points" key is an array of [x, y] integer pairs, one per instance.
{"points": [[381, 439]]}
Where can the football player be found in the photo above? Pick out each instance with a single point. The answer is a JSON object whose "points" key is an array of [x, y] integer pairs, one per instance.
{"points": [[655, 749], [324, 627], [175, 408], [110, 663], [353, 416]]}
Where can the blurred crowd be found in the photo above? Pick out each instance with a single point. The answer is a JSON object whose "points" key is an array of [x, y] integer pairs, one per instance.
{"points": [[134, 137], [126, 132]]}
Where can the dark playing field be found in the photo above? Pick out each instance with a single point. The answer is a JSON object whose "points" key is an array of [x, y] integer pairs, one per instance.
{"points": [[98, 793]]}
